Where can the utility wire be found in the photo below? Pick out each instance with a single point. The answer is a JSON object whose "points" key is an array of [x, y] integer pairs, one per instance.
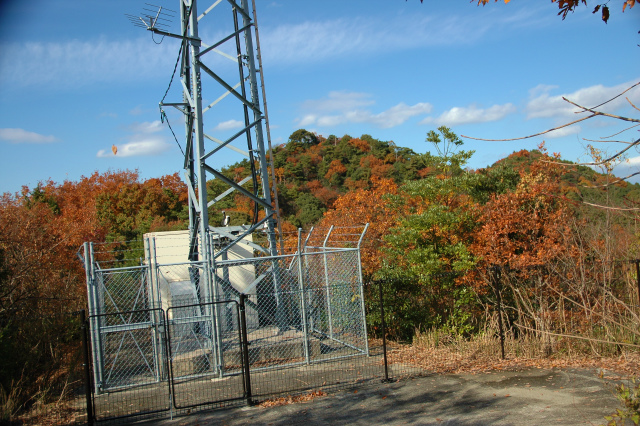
{"points": [[163, 115]]}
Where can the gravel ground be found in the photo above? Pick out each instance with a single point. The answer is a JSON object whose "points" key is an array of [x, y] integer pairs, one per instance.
{"points": [[532, 396]]}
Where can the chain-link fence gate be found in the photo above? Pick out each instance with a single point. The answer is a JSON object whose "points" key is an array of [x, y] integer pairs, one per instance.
{"points": [[170, 336]]}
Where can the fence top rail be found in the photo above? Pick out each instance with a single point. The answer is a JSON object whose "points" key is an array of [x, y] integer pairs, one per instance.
{"points": [[194, 305], [230, 262], [121, 313], [323, 250], [188, 263], [331, 249], [120, 268]]}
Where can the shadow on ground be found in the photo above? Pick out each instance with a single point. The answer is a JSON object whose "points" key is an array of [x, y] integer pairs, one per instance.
{"points": [[527, 397]]}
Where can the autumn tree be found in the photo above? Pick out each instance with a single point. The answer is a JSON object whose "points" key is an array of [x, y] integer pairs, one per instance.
{"points": [[428, 248], [378, 206], [566, 6]]}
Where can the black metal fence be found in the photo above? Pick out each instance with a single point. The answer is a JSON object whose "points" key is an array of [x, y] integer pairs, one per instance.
{"points": [[186, 371], [193, 374], [48, 355]]}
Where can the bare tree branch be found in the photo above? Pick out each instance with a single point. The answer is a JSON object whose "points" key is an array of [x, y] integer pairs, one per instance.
{"points": [[597, 163], [617, 96], [531, 136], [601, 141], [632, 104], [614, 182], [621, 131], [594, 112], [632, 209]]}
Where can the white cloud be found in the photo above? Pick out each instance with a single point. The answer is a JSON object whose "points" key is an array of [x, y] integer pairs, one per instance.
{"points": [[316, 41], [137, 110], [346, 107], [542, 104], [633, 162], [146, 147], [24, 136], [472, 114], [339, 101], [80, 62], [565, 131], [229, 125], [76, 63], [147, 127], [143, 141]]}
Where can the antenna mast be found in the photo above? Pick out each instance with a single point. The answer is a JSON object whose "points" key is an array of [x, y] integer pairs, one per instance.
{"points": [[206, 61]]}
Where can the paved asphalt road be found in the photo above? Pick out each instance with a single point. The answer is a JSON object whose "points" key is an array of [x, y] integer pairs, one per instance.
{"points": [[527, 397]]}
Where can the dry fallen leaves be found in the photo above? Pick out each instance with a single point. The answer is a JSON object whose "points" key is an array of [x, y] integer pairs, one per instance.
{"points": [[447, 360], [285, 400]]}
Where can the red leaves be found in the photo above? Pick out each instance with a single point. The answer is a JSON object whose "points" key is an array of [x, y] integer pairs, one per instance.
{"points": [[629, 3], [524, 228], [605, 13], [367, 206]]}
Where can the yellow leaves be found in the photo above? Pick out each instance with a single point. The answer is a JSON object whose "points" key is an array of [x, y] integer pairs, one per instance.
{"points": [[114, 149], [629, 3], [483, 2]]}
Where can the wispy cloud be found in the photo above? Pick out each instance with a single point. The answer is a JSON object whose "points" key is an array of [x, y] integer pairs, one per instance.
{"points": [[348, 107], [471, 114], [314, 41], [138, 110], [339, 101], [143, 142], [565, 131], [147, 127], [14, 135], [81, 62], [147, 147], [229, 125], [543, 105]]}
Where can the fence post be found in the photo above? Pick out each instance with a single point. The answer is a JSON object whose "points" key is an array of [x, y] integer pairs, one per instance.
{"points": [[244, 347], [87, 370], [497, 289], [383, 326], [327, 281], [637, 262], [95, 308], [303, 299]]}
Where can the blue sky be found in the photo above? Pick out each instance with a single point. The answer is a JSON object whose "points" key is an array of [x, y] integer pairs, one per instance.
{"points": [[77, 78]]}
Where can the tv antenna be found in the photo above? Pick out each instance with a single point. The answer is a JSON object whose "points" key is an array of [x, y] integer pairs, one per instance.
{"points": [[153, 17]]}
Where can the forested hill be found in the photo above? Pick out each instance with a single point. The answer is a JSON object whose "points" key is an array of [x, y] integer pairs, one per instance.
{"points": [[437, 231], [313, 171]]}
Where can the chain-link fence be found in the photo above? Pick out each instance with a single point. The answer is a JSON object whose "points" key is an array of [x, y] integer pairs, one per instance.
{"points": [[173, 336]]}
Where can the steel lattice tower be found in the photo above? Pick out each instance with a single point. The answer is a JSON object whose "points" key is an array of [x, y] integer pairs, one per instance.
{"points": [[201, 69]]}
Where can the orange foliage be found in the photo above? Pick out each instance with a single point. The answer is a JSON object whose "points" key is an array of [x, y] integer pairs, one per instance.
{"points": [[314, 185], [360, 144], [527, 227], [355, 184], [326, 195], [423, 173], [367, 206], [378, 167], [335, 168], [44, 228]]}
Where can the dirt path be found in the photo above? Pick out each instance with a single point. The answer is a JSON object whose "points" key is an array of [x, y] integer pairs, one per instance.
{"points": [[532, 396]]}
